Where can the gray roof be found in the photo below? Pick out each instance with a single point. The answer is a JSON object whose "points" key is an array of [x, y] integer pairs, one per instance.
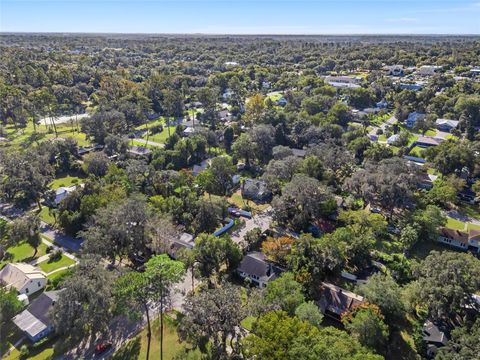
{"points": [[337, 300], [432, 334], [36, 317], [255, 263]]}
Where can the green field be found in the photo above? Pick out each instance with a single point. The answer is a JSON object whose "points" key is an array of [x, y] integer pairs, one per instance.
{"points": [[162, 136], [65, 181], [49, 266], [24, 137], [455, 224], [24, 253], [172, 347], [45, 215], [416, 151]]}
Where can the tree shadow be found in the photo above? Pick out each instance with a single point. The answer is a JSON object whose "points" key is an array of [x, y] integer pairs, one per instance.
{"points": [[131, 350]]}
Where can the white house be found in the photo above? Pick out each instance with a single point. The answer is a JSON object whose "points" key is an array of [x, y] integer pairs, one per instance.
{"points": [[393, 139], [446, 124], [27, 279], [461, 239], [62, 192]]}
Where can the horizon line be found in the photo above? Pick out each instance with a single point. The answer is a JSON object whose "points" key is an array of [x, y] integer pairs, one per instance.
{"points": [[234, 34]]}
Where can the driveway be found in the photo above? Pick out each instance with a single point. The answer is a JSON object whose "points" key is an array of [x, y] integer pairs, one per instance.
{"points": [[261, 220], [69, 243]]}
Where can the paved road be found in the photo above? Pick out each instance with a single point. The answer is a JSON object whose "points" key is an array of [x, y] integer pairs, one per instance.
{"points": [[149, 142]]}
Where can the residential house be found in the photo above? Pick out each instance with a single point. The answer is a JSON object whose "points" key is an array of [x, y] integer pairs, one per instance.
{"points": [[36, 321], [190, 130], [198, 168], [446, 124], [256, 190], [225, 116], [301, 153], [382, 104], [62, 192], [257, 269], [427, 141], [183, 241], [428, 70], [412, 118], [393, 139], [27, 279], [433, 338], [408, 86], [395, 70], [227, 94], [282, 101], [335, 301], [462, 240], [343, 81], [139, 151]]}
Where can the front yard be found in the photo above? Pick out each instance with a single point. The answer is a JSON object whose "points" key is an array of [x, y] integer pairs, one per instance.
{"points": [[24, 253], [48, 265]]}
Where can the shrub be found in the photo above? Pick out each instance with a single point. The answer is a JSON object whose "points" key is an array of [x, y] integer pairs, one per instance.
{"points": [[55, 255], [24, 352]]}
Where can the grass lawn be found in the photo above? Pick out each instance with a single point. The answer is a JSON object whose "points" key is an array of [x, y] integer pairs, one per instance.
{"points": [[472, 211], [238, 200], [42, 352], [172, 347], [49, 266], [45, 215], [158, 121], [142, 143], [65, 181], [248, 322], [421, 249], [471, 226], [162, 136], [416, 151], [411, 139], [431, 132], [380, 119], [455, 224], [382, 138], [24, 253], [9, 336]]}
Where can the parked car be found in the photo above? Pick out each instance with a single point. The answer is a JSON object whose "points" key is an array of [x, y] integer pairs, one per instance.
{"points": [[102, 347]]}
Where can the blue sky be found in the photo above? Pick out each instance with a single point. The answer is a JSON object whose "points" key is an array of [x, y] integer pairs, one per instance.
{"points": [[243, 16]]}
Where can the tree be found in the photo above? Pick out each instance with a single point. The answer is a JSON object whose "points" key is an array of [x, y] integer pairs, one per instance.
{"points": [[135, 289], [9, 305], [244, 148], [447, 282], [463, 345], [284, 293], [85, 306], [442, 193], [310, 312], [382, 290], [409, 236], [119, 229], [25, 176], [277, 336], [390, 183], [429, 221], [212, 317], [312, 166], [303, 200], [311, 259], [254, 108], [424, 123], [96, 163], [365, 323], [221, 171], [277, 249], [263, 136], [26, 228], [212, 252]]}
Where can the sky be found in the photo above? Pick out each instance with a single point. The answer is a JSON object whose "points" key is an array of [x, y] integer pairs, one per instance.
{"points": [[242, 16]]}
